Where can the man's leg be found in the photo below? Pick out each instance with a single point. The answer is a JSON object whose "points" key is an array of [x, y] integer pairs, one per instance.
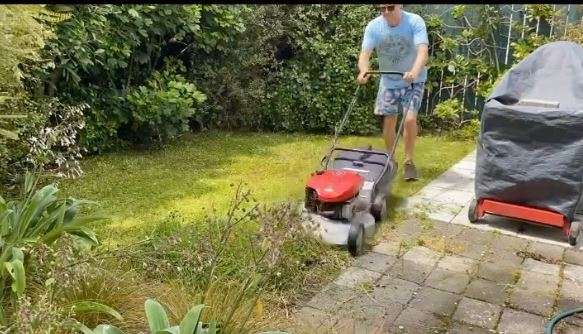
{"points": [[412, 105], [389, 134], [410, 135], [386, 107]]}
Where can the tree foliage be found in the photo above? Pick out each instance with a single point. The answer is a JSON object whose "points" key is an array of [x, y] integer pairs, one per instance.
{"points": [[103, 54], [148, 73]]}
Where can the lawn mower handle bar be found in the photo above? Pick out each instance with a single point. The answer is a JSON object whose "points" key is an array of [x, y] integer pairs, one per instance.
{"points": [[345, 117], [361, 151], [385, 72]]}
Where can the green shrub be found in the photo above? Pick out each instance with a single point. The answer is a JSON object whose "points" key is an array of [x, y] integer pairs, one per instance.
{"points": [[470, 130], [102, 53], [21, 37], [163, 107], [575, 33]]}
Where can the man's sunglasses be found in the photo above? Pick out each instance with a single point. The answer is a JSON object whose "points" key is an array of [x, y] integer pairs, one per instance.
{"points": [[389, 8]]}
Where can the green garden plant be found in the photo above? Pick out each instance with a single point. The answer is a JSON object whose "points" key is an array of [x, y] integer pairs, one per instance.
{"points": [[38, 216], [10, 134], [162, 108], [102, 53], [159, 323]]}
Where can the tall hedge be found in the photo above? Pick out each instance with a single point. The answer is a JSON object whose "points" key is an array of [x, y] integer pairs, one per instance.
{"points": [[293, 69]]}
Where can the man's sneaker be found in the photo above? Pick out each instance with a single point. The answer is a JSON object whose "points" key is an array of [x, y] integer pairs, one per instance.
{"points": [[410, 171]]}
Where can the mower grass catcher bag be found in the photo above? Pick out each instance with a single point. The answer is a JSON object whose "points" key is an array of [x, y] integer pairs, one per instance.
{"points": [[530, 150]]}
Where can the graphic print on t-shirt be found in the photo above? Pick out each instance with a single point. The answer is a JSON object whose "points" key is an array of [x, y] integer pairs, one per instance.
{"points": [[394, 51]]}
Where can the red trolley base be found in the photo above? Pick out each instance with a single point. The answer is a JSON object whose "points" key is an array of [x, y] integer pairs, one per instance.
{"points": [[478, 208]]}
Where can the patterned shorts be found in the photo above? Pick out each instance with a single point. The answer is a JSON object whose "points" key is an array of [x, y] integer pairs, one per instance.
{"points": [[388, 99]]}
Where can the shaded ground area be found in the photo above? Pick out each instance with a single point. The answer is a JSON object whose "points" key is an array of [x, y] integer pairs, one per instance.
{"points": [[437, 273]]}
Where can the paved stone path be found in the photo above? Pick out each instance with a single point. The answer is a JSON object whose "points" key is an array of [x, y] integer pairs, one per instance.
{"points": [[437, 273]]}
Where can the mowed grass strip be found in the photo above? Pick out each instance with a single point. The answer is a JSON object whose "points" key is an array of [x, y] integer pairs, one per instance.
{"points": [[194, 174]]}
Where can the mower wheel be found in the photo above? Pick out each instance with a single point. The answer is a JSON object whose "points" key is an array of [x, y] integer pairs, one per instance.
{"points": [[574, 232], [355, 239], [379, 209], [472, 211]]}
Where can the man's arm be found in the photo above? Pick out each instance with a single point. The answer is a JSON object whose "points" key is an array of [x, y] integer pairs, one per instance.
{"points": [[420, 61], [363, 60], [369, 42], [421, 41]]}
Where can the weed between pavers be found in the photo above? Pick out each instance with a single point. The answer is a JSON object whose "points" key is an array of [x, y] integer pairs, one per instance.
{"points": [[365, 287], [496, 233], [510, 288], [446, 322], [441, 244], [557, 294], [405, 246], [537, 257]]}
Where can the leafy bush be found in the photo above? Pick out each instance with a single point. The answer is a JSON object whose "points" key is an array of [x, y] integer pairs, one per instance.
{"points": [[47, 128], [468, 131], [449, 110], [103, 52], [276, 67], [575, 33], [319, 50], [162, 108], [451, 115], [526, 46], [21, 37]]}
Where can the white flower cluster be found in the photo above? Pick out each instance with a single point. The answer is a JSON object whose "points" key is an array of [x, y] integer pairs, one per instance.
{"points": [[55, 147]]}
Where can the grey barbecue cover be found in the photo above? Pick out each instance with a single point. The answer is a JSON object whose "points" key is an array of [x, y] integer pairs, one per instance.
{"points": [[530, 149]]}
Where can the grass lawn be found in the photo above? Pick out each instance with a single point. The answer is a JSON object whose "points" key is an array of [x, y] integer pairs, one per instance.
{"points": [[137, 189]]}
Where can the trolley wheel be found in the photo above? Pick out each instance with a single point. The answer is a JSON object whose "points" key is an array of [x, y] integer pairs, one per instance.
{"points": [[356, 239], [574, 232], [472, 211], [379, 209]]}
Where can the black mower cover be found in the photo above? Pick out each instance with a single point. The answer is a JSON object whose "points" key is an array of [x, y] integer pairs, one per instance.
{"points": [[530, 150]]}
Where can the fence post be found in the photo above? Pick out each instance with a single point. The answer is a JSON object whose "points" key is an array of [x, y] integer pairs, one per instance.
{"points": [[475, 93], [523, 21], [509, 34], [452, 84], [440, 84], [567, 19]]}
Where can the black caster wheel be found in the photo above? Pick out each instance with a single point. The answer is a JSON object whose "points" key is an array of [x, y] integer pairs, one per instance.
{"points": [[356, 239], [472, 211], [379, 209], [574, 232]]}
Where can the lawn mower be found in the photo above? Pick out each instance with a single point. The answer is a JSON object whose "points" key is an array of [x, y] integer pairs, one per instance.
{"points": [[529, 162], [348, 195]]}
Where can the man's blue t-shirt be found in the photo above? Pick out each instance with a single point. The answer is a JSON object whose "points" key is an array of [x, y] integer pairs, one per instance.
{"points": [[396, 47]]}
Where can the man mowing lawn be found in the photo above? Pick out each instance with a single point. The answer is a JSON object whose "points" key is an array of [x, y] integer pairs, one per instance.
{"points": [[400, 40]]}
